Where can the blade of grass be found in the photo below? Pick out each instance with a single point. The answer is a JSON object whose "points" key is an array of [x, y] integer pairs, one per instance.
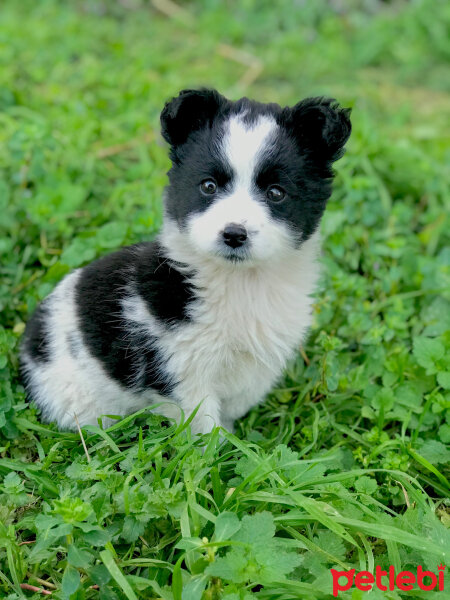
{"points": [[116, 573]]}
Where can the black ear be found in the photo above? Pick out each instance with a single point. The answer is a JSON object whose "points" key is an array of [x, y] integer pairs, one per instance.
{"points": [[189, 111], [321, 127]]}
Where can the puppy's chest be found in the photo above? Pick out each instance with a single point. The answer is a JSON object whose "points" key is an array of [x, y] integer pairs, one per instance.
{"points": [[246, 319]]}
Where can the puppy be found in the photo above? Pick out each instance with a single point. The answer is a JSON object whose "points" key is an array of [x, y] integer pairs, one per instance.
{"points": [[210, 312]]}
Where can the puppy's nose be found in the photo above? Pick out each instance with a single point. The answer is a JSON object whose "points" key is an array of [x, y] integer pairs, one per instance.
{"points": [[234, 235]]}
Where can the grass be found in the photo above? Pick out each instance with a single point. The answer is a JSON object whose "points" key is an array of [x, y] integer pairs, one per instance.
{"points": [[346, 464]]}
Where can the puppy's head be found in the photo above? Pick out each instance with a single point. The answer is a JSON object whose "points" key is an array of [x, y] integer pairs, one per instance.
{"points": [[249, 181]]}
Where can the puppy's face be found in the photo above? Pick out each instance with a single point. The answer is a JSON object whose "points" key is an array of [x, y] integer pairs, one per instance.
{"points": [[249, 181]]}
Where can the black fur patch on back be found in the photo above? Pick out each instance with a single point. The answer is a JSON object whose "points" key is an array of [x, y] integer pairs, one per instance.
{"points": [[103, 285], [36, 342]]}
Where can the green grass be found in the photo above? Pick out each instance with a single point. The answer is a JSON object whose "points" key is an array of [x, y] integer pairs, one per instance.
{"points": [[346, 464]]}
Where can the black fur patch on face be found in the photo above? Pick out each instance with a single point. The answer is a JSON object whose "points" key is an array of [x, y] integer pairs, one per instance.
{"points": [[311, 135], [199, 159], [36, 343], [307, 191], [102, 287]]}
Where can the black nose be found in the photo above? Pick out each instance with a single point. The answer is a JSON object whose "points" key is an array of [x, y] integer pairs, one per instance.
{"points": [[234, 235]]}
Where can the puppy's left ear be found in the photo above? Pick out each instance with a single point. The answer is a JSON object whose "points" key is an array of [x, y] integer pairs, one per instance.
{"points": [[189, 111], [321, 127]]}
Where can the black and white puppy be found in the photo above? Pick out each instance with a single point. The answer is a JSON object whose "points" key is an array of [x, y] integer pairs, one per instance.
{"points": [[211, 311]]}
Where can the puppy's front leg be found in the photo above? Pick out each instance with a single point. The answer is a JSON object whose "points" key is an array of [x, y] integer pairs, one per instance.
{"points": [[228, 424], [208, 415]]}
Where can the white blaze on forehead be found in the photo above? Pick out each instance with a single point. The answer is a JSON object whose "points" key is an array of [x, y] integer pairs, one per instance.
{"points": [[245, 142], [243, 146]]}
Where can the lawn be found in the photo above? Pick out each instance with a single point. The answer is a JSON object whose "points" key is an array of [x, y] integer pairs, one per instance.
{"points": [[345, 466]]}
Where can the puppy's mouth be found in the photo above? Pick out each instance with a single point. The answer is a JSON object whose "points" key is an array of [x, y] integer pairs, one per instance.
{"points": [[234, 255]]}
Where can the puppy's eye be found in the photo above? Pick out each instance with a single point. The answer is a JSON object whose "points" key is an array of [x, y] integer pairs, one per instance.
{"points": [[275, 193], [208, 187]]}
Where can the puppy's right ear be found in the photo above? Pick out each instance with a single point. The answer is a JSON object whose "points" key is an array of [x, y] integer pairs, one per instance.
{"points": [[189, 111]]}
